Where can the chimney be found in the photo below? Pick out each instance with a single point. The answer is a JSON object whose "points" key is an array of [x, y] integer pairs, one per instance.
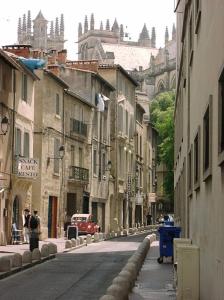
{"points": [[88, 65], [36, 54], [19, 50], [54, 69], [62, 57], [52, 57]]}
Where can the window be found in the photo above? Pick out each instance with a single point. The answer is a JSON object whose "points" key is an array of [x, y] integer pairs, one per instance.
{"points": [[18, 143], [140, 145], [103, 164], [72, 155], [197, 160], [190, 172], [207, 140], [126, 122], [221, 119], [94, 162], [80, 157], [197, 5], [191, 40], [56, 155], [57, 105], [24, 87], [26, 145]]}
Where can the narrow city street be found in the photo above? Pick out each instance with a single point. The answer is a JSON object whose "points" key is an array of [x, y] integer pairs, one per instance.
{"points": [[84, 273]]}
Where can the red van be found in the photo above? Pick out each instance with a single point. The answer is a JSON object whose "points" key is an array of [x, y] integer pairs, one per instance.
{"points": [[84, 223]]}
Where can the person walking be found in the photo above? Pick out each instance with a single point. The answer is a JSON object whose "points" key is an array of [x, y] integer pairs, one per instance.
{"points": [[34, 227], [26, 226]]}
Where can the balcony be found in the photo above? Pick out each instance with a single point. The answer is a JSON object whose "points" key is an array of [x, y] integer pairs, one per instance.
{"points": [[78, 173], [78, 127]]}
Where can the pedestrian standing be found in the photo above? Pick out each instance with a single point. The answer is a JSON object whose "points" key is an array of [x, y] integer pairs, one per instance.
{"points": [[26, 226], [34, 227]]}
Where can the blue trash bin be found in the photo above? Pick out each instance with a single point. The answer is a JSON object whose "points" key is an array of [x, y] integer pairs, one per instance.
{"points": [[166, 235]]}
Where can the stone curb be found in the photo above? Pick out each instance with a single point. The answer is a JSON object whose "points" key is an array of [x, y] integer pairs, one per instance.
{"points": [[26, 266]]}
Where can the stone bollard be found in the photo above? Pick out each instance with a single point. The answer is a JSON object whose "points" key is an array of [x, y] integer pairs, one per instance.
{"points": [[128, 276], [107, 297], [17, 260], [88, 239], [78, 241], [73, 242], [68, 244], [118, 233], [112, 234], [101, 236], [125, 232], [131, 230], [96, 237], [36, 255], [44, 251], [5, 263], [117, 291], [27, 257], [122, 281], [107, 236], [132, 268], [81, 239], [52, 248]]}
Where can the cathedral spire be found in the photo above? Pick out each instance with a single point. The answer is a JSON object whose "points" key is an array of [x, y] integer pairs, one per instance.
{"points": [[56, 27], [29, 23], [92, 22], [144, 34], [174, 32], [115, 26], [108, 25], [144, 39], [62, 26], [86, 25], [101, 25], [19, 30], [52, 30], [166, 35], [121, 31], [24, 24], [153, 38], [80, 29]]}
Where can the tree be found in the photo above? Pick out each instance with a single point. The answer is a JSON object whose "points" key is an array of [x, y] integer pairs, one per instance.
{"points": [[162, 117]]}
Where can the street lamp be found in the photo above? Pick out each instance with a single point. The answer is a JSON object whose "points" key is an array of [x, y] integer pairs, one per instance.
{"points": [[4, 125], [61, 152]]}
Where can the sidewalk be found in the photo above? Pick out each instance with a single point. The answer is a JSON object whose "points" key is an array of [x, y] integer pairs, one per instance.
{"points": [[155, 281], [20, 248]]}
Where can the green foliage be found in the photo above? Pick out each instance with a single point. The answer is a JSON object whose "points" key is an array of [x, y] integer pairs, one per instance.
{"points": [[162, 117]]}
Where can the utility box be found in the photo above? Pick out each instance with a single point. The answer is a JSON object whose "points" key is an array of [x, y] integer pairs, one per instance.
{"points": [[177, 242], [187, 272]]}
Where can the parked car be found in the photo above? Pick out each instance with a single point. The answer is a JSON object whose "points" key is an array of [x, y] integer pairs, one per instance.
{"points": [[84, 223]]}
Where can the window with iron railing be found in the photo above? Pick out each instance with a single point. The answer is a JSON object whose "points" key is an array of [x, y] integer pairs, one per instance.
{"points": [[78, 127], [79, 173]]}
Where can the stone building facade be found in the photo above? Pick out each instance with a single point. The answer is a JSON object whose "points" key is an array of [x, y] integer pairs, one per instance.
{"points": [[18, 161], [199, 137]]}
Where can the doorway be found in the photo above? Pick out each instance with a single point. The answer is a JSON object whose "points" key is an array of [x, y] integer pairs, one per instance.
{"points": [[15, 211], [85, 206], [71, 205], [52, 217], [94, 211]]}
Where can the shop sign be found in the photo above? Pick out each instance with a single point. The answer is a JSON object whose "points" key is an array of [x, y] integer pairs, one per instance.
{"points": [[27, 167]]}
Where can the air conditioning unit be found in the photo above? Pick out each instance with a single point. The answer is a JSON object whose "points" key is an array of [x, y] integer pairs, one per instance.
{"points": [[176, 242], [187, 272]]}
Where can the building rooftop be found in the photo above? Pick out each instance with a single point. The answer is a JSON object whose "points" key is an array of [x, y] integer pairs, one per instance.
{"points": [[130, 57]]}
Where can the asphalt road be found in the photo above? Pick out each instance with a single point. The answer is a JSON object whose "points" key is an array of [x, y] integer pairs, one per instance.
{"points": [[83, 274]]}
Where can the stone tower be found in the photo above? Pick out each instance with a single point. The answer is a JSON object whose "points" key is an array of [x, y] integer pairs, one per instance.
{"points": [[38, 36]]}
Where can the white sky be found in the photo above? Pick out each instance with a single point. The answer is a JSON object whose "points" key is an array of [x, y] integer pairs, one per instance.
{"points": [[133, 14]]}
